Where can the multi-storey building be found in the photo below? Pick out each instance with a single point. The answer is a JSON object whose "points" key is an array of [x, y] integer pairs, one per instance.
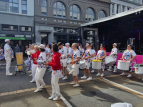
{"points": [[118, 6], [57, 20], [17, 22]]}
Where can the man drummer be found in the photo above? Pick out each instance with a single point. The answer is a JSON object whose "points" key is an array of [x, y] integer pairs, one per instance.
{"points": [[128, 55], [69, 50], [63, 51], [114, 55]]}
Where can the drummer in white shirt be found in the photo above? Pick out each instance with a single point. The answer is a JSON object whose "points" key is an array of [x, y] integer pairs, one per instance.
{"points": [[87, 56], [63, 51], [81, 54], [69, 50], [48, 51], [114, 55], [93, 56], [128, 55]]}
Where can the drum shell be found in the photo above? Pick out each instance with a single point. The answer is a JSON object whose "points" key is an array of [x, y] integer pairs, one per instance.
{"points": [[96, 65], [109, 60], [139, 70], [123, 65], [82, 62], [19, 60], [69, 60]]}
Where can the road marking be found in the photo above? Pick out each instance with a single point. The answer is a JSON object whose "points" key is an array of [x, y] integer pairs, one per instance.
{"points": [[132, 91], [65, 101]]}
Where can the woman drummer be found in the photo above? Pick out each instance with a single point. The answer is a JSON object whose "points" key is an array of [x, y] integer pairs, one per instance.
{"points": [[87, 56], [128, 55], [93, 56], [81, 54], [101, 56], [114, 55]]}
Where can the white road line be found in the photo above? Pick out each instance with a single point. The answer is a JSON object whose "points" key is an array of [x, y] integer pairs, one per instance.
{"points": [[65, 101], [124, 86]]}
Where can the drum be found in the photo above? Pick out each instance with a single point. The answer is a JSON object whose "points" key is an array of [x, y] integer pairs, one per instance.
{"points": [[109, 60], [19, 60], [123, 65], [70, 68], [138, 69], [96, 64], [82, 62]]}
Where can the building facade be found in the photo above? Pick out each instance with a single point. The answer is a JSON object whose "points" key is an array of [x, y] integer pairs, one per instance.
{"points": [[59, 20], [118, 6], [17, 22]]}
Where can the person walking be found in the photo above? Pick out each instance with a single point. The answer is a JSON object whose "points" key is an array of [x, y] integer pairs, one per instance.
{"points": [[8, 53]]}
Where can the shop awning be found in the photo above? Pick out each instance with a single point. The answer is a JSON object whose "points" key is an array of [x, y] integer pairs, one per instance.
{"points": [[136, 10]]}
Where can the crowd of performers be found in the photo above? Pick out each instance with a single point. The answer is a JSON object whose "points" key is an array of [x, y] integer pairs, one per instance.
{"points": [[56, 59]]}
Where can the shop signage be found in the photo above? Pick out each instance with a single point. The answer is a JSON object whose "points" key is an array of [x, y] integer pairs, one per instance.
{"points": [[12, 38]]}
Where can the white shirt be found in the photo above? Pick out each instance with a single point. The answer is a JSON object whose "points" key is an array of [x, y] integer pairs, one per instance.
{"points": [[77, 52], [32, 51], [93, 52], [114, 51], [63, 51], [48, 50], [6, 47], [70, 51]]}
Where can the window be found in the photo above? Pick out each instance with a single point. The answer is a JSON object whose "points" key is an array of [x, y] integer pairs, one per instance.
{"points": [[75, 12], [44, 7], [24, 6], [26, 29], [73, 31], [112, 9], [9, 27], [101, 14], [59, 10], [90, 14], [123, 8], [117, 9], [9, 5]]}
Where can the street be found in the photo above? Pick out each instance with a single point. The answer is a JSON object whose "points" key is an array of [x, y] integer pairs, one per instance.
{"points": [[100, 92]]}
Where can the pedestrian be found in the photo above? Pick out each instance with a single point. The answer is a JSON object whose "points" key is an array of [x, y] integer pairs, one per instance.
{"points": [[87, 56], [2, 55], [8, 53], [56, 73], [75, 63], [63, 51], [34, 58], [101, 54], [40, 71], [93, 56], [69, 50]]}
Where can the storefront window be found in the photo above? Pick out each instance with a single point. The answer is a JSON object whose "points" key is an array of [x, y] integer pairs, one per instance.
{"points": [[9, 27]]}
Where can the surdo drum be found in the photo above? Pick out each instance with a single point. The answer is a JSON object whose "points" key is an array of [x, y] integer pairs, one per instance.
{"points": [[82, 62], [109, 60], [138, 69], [96, 64], [123, 65]]}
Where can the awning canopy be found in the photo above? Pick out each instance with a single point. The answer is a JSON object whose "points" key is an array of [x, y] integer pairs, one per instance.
{"points": [[123, 14]]}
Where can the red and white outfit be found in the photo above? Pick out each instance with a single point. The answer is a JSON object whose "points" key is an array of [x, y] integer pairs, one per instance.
{"points": [[34, 57], [56, 73]]}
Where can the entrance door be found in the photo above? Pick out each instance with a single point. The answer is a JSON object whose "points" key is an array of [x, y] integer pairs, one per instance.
{"points": [[44, 38]]}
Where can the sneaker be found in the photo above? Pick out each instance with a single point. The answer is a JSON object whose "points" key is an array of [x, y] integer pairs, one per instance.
{"points": [[61, 76], [98, 74], [109, 70], [52, 97], [84, 77], [32, 81], [37, 90], [30, 75], [29, 71], [72, 83], [92, 71], [57, 98], [90, 78], [10, 74], [65, 78], [115, 71], [102, 75], [76, 85], [43, 86], [122, 73], [129, 76]]}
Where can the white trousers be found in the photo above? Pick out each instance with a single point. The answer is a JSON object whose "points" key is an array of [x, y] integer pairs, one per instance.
{"points": [[55, 85], [8, 63], [34, 67], [39, 77]]}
